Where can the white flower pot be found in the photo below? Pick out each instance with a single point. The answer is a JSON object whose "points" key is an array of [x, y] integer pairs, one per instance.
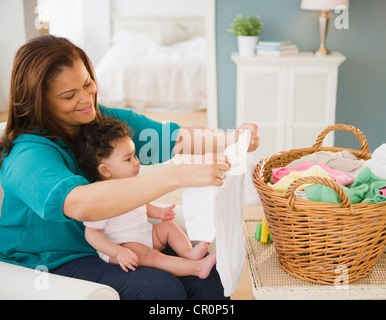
{"points": [[247, 45]]}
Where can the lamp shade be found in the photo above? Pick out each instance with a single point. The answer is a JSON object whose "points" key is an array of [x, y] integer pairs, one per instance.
{"points": [[323, 4]]}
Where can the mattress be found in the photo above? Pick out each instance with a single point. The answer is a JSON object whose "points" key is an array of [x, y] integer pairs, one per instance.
{"points": [[141, 73]]}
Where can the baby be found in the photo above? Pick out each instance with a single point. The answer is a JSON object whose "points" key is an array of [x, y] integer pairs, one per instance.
{"points": [[105, 151]]}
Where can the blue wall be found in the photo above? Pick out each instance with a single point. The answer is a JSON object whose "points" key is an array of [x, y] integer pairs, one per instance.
{"points": [[361, 97]]}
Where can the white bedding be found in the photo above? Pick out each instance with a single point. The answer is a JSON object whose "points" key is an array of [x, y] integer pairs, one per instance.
{"points": [[139, 73]]}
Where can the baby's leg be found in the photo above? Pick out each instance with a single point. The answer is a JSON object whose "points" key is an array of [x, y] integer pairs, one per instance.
{"points": [[168, 232], [175, 265]]}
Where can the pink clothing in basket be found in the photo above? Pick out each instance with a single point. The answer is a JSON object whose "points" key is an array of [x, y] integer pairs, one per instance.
{"points": [[338, 176]]}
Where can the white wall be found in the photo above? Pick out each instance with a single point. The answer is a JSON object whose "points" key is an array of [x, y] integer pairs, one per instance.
{"points": [[65, 18], [84, 22], [30, 16], [12, 36], [97, 28]]}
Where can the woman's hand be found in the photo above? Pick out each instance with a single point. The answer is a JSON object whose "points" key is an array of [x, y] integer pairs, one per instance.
{"points": [[255, 139], [210, 171], [198, 140]]}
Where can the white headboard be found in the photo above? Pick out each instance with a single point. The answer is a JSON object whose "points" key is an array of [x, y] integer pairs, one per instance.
{"points": [[195, 24]]}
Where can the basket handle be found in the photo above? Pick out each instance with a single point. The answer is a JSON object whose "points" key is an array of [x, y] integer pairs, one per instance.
{"points": [[362, 139], [343, 197]]}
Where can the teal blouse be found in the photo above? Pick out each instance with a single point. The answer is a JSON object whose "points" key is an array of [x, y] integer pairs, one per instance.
{"points": [[36, 177]]}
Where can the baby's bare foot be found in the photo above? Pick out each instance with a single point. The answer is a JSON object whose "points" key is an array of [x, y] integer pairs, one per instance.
{"points": [[205, 265], [199, 251]]}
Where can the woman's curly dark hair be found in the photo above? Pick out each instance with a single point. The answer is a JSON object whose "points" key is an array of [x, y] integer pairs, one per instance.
{"points": [[94, 143]]}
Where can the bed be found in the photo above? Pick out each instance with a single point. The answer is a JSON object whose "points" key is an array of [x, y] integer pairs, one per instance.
{"points": [[155, 63]]}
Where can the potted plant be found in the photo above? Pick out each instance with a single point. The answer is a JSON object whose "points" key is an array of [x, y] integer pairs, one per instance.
{"points": [[247, 31]]}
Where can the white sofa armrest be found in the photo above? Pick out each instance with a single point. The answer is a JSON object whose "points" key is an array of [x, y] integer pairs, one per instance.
{"points": [[22, 283], [28, 284]]}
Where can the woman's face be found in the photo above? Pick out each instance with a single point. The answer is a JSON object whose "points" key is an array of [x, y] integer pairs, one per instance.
{"points": [[71, 97]]}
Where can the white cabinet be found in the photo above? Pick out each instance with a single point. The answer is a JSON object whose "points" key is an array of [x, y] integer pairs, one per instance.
{"points": [[291, 98]]}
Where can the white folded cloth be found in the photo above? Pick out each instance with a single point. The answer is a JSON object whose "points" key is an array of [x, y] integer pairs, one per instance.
{"points": [[217, 212]]}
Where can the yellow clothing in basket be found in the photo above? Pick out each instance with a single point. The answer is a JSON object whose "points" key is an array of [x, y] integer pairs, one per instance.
{"points": [[283, 184]]}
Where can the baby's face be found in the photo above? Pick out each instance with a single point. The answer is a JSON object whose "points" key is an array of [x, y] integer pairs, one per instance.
{"points": [[123, 163]]}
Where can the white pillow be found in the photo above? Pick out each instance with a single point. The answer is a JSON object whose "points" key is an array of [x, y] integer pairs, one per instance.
{"points": [[169, 33]]}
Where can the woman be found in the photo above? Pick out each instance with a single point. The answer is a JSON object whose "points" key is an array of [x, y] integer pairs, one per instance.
{"points": [[46, 197]]}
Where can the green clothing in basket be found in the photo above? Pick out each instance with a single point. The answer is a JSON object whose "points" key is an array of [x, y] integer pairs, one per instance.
{"points": [[364, 189]]}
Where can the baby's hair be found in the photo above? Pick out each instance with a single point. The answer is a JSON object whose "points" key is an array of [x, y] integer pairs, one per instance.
{"points": [[95, 142]]}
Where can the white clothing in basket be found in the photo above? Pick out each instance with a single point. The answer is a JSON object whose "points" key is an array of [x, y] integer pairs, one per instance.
{"points": [[377, 163]]}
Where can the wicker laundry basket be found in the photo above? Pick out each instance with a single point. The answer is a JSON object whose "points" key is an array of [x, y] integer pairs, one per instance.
{"points": [[321, 242]]}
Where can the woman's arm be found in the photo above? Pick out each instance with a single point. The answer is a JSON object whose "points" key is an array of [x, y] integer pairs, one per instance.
{"points": [[200, 140], [106, 199]]}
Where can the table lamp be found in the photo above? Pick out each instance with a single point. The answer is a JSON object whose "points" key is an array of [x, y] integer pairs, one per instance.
{"points": [[323, 6]]}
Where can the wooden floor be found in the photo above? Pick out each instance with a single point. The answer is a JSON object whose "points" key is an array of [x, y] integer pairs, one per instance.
{"points": [[3, 116]]}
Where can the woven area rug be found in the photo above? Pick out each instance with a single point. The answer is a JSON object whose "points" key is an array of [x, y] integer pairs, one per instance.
{"points": [[269, 281]]}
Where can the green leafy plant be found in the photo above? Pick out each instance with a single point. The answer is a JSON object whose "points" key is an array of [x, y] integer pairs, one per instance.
{"points": [[249, 26]]}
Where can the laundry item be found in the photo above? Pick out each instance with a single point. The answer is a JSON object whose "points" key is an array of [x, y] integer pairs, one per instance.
{"points": [[366, 188], [217, 212], [338, 176]]}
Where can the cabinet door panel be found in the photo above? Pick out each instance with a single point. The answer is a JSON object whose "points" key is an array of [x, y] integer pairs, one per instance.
{"points": [[262, 100], [310, 98], [271, 141], [261, 95], [262, 103], [306, 137], [310, 105]]}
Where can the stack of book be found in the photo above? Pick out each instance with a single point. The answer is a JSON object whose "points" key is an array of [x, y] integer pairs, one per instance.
{"points": [[276, 48]]}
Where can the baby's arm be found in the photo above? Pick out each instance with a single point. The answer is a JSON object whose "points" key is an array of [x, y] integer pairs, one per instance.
{"points": [[125, 257], [164, 214]]}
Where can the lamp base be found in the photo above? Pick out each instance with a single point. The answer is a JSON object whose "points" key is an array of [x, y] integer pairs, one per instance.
{"points": [[322, 52], [323, 27]]}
